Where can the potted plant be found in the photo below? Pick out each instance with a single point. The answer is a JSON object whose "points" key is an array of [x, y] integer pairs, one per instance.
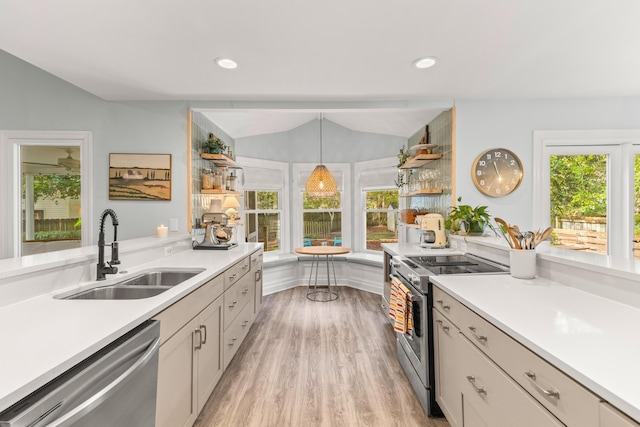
{"points": [[216, 145], [472, 220]]}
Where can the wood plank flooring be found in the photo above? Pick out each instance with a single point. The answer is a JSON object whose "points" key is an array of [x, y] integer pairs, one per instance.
{"points": [[308, 363]]}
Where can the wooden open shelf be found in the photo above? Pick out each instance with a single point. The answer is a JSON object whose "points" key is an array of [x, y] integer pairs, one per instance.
{"points": [[220, 192], [422, 193], [420, 160], [220, 160]]}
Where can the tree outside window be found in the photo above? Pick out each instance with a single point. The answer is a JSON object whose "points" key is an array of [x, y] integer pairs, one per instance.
{"points": [[322, 220], [381, 212]]}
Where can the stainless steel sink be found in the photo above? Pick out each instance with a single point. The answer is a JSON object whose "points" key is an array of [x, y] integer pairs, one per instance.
{"points": [[145, 285]]}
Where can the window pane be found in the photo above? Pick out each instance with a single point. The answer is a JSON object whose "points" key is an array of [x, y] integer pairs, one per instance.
{"points": [[51, 218], [636, 209], [382, 199], [579, 202], [381, 228], [322, 227], [264, 228], [267, 200], [323, 203]]}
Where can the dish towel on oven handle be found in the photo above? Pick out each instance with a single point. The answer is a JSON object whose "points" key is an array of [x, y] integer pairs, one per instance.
{"points": [[400, 307]]}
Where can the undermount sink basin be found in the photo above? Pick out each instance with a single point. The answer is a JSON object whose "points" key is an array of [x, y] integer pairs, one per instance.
{"points": [[145, 285]]}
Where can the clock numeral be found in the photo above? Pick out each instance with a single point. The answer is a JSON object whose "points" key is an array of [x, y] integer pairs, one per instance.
{"points": [[507, 188], [479, 173], [515, 172], [498, 191], [482, 182], [488, 156], [512, 162], [488, 188], [498, 154], [482, 163]]}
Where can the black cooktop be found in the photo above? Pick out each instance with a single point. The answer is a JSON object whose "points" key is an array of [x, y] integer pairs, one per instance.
{"points": [[456, 264]]}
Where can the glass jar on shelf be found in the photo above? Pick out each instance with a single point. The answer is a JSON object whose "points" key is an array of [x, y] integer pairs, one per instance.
{"points": [[207, 179]]}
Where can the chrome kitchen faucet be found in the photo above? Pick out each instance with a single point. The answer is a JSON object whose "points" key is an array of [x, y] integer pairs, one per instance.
{"points": [[103, 269]]}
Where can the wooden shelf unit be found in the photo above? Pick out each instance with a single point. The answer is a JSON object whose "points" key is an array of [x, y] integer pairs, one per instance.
{"points": [[432, 192], [220, 160], [420, 160], [220, 192]]}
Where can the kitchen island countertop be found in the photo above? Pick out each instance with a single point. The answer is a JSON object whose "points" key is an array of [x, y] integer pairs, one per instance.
{"points": [[590, 338]]}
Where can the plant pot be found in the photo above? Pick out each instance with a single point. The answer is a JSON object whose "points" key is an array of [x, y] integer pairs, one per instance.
{"points": [[474, 228], [214, 150]]}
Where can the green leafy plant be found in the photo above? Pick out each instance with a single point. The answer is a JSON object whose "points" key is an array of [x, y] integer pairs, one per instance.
{"points": [[471, 220], [403, 155], [216, 145]]}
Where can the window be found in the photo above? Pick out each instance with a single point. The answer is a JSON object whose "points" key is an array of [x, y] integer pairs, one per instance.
{"points": [[377, 204], [265, 196], [587, 189], [381, 214], [322, 220], [49, 204], [262, 213]]}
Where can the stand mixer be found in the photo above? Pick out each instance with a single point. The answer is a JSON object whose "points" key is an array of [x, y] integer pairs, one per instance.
{"points": [[217, 234]]}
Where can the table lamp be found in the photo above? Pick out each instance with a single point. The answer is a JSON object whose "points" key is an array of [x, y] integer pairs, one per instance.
{"points": [[231, 205]]}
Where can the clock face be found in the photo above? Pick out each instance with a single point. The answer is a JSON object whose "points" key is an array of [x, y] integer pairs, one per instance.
{"points": [[497, 172]]}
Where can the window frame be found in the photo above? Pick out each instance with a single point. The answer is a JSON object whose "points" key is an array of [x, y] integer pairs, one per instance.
{"points": [[619, 145], [387, 164], [303, 169], [281, 188]]}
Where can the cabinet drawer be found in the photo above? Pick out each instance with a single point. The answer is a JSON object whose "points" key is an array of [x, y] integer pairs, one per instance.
{"points": [[236, 297], [494, 397], [573, 404], [175, 316], [611, 417], [447, 305], [235, 272], [235, 334], [256, 259]]}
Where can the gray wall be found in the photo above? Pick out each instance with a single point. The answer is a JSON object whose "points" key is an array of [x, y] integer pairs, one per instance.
{"points": [[302, 145], [510, 124]]}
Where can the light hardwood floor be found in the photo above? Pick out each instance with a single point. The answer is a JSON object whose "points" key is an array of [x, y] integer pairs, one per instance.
{"points": [[308, 363]]}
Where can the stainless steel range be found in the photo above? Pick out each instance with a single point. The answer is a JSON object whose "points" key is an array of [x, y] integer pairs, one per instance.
{"points": [[415, 353]]}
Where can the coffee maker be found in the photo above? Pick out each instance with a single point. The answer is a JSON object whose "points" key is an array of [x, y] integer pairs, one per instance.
{"points": [[433, 233]]}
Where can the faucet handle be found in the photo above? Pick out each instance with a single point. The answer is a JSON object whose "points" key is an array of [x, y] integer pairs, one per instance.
{"points": [[114, 254]]}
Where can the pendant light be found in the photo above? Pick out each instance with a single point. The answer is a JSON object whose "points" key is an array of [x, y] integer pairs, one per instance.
{"points": [[321, 184]]}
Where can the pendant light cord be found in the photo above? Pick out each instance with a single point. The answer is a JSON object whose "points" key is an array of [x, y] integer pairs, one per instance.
{"points": [[320, 138]]}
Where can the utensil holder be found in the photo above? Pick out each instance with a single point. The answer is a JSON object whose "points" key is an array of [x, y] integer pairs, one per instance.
{"points": [[522, 263]]}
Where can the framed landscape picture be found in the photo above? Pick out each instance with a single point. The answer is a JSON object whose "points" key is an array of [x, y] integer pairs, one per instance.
{"points": [[139, 176]]}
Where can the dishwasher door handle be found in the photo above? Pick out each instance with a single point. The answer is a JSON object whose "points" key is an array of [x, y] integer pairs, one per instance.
{"points": [[109, 390]]}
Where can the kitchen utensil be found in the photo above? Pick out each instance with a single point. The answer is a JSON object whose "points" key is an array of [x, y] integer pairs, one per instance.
{"points": [[515, 236], [504, 230], [543, 235]]}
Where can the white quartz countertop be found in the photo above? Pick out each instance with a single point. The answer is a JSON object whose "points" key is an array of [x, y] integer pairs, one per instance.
{"points": [[592, 339], [414, 249], [42, 337]]}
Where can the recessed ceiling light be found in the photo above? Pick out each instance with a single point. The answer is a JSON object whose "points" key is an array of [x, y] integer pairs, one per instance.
{"points": [[426, 62], [227, 63]]}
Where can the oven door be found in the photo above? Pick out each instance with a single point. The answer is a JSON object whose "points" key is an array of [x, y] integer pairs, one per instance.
{"points": [[415, 347]]}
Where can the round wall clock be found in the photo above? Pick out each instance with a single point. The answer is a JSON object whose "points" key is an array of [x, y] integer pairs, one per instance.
{"points": [[497, 172]]}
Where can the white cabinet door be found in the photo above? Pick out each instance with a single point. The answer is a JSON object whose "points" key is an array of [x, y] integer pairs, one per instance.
{"points": [[446, 338], [470, 416], [176, 401], [209, 354], [495, 398]]}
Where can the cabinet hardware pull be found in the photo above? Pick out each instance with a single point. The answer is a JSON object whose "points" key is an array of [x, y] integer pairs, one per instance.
{"points": [[476, 336], [233, 276], [258, 275], [198, 345], [244, 267], [244, 291], [204, 333], [442, 304], [479, 390], [531, 376], [442, 325], [233, 304]]}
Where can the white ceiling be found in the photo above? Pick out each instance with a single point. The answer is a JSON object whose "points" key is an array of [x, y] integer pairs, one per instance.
{"points": [[331, 51]]}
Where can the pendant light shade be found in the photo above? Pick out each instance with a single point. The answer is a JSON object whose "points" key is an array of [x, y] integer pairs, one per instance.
{"points": [[321, 183]]}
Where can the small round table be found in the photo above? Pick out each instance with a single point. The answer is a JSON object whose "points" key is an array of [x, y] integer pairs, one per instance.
{"points": [[317, 252]]}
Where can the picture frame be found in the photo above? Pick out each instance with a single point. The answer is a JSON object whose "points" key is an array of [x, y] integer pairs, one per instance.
{"points": [[140, 176]]}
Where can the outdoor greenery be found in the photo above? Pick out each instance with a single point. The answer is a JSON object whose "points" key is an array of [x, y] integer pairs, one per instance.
{"points": [[56, 187], [58, 235], [579, 186]]}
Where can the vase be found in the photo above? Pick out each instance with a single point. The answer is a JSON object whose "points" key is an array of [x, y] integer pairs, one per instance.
{"points": [[522, 263], [214, 150]]}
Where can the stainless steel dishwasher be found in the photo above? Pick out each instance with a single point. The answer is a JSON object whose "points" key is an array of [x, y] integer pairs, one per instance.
{"points": [[114, 387]]}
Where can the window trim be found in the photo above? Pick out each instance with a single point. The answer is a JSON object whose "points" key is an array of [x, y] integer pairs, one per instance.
{"points": [[283, 198], [360, 220], [345, 197], [619, 145]]}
